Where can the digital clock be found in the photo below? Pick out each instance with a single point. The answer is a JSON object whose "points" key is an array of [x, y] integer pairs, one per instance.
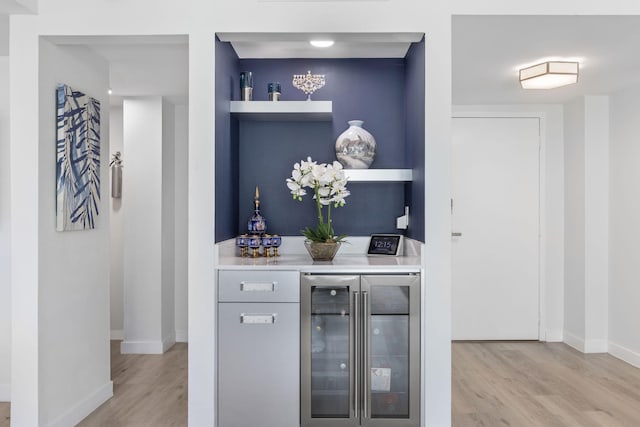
{"points": [[385, 244]]}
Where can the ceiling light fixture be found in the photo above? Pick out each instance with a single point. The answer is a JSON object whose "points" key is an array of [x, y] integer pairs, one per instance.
{"points": [[109, 91], [321, 43], [549, 75]]}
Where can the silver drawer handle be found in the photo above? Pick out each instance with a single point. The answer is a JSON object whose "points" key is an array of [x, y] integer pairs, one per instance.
{"points": [[258, 286], [456, 234], [258, 319]]}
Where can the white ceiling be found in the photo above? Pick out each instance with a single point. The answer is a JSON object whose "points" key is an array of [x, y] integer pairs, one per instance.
{"points": [[141, 65], [489, 50], [296, 45], [486, 54]]}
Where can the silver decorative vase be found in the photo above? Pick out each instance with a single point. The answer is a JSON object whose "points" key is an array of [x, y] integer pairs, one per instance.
{"points": [[322, 251], [355, 147]]}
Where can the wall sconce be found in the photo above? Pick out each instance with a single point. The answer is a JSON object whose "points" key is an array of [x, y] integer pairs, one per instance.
{"points": [[549, 75]]}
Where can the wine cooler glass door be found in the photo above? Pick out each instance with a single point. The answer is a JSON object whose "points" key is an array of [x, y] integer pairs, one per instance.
{"points": [[391, 348], [329, 393]]}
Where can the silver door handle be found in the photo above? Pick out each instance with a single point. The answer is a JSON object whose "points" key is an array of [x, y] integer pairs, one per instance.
{"points": [[365, 352], [456, 234], [356, 352]]}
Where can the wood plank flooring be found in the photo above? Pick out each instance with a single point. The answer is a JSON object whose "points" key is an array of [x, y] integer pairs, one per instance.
{"points": [[541, 384], [494, 384], [148, 390], [4, 414]]}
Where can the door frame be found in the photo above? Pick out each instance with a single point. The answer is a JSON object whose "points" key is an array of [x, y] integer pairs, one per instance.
{"points": [[541, 116]]}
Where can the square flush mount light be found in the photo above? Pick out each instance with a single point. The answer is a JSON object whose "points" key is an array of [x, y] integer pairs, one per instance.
{"points": [[549, 75]]}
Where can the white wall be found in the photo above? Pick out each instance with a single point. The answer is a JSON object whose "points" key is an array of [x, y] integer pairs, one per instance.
{"points": [[180, 244], [148, 226], [551, 207], [587, 223], [624, 292], [574, 292], [5, 235], [168, 230], [181, 202], [116, 219], [73, 267], [596, 223]]}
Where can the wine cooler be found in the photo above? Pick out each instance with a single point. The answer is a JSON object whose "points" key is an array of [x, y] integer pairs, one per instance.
{"points": [[360, 350]]}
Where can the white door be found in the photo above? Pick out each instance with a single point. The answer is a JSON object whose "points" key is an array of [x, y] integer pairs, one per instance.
{"points": [[495, 228]]}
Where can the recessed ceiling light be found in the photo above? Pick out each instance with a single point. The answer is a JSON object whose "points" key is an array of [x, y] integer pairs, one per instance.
{"points": [[549, 75], [109, 91], [321, 43]]}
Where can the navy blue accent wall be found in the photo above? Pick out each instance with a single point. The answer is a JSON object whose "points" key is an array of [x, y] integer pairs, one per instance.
{"points": [[371, 90], [367, 89], [226, 143], [415, 144]]}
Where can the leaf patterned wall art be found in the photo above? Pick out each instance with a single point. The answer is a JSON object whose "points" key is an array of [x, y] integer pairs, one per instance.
{"points": [[78, 160]]}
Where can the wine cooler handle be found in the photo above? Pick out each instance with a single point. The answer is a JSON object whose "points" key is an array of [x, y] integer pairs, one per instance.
{"points": [[356, 353], [365, 352]]}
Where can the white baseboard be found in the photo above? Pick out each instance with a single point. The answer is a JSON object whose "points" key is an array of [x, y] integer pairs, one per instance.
{"points": [[141, 347], [182, 336], [574, 341], [148, 347], [585, 346], [168, 342], [117, 334], [80, 411], [596, 346], [553, 335], [5, 392], [622, 353]]}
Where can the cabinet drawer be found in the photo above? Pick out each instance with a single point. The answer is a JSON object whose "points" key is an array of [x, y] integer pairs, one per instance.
{"points": [[258, 286]]}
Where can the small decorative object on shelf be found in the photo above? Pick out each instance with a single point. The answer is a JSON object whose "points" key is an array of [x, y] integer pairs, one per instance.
{"points": [[257, 240], [246, 86], [308, 83], [257, 224], [276, 241], [329, 185], [274, 91], [116, 175], [355, 147]]}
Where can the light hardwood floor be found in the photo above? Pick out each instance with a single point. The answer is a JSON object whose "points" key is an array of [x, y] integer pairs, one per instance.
{"points": [[148, 390], [517, 384], [4, 414], [541, 384]]}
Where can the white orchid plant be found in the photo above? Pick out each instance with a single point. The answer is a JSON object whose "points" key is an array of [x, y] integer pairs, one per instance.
{"points": [[329, 185]]}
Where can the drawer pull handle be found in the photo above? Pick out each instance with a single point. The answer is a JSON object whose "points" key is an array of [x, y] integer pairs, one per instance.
{"points": [[258, 319], [258, 286]]}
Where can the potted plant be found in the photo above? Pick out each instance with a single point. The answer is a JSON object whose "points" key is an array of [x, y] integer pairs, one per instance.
{"points": [[329, 185]]}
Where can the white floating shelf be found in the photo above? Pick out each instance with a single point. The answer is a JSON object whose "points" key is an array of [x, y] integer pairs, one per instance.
{"points": [[282, 110], [379, 175]]}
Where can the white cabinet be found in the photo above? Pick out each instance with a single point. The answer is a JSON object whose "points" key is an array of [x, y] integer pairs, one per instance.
{"points": [[258, 348]]}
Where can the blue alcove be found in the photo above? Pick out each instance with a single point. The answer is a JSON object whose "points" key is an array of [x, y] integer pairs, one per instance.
{"points": [[387, 94]]}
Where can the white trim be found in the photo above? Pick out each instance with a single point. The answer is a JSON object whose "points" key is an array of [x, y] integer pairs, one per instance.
{"points": [[117, 334], [542, 173], [182, 335], [5, 392], [596, 346], [623, 353], [574, 341], [553, 336], [168, 342], [141, 347], [80, 411]]}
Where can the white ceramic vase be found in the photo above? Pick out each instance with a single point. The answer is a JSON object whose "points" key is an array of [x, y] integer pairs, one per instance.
{"points": [[355, 147]]}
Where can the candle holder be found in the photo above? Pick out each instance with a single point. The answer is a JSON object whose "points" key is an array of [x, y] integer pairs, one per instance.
{"points": [[308, 83], [276, 241]]}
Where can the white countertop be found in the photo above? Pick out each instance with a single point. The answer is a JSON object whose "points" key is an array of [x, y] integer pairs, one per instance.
{"points": [[340, 264]]}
